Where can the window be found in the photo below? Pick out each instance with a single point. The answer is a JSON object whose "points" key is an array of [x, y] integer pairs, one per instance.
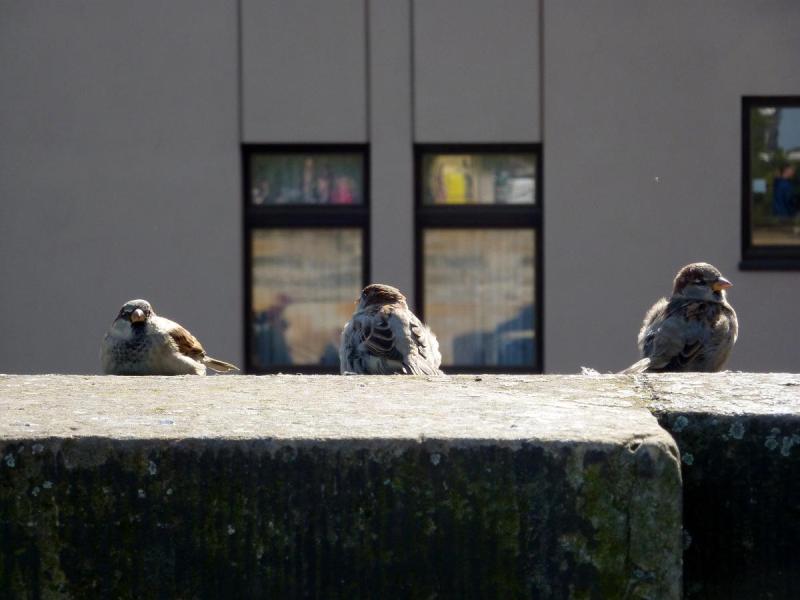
{"points": [[479, 254], [306, 239], [771, 183]]}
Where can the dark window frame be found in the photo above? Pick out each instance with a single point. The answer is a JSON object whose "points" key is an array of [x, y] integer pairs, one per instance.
{"points": [[299, 216], [482, 216], [761, 258]]}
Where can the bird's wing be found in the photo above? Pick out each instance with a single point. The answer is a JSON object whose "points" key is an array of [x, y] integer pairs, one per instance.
{"points": [[186, 343], [380, 339], [368, 346], [388, 341], [346, 349], [652, 321], [675, 335], [419, 346]]}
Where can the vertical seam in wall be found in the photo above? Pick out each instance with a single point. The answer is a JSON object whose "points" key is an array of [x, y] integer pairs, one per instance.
{"points": [[367, 78], [411, 74], [541, 72], [240, 69], [243, 261], [542, 220], [416, 256], [370, 237]]}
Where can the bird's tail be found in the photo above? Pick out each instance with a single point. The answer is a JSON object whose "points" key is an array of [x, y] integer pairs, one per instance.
{"points": [[637, 367], [219, 365]]}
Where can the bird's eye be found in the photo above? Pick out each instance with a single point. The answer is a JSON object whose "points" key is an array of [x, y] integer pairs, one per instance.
{"points": [[699, 282]]}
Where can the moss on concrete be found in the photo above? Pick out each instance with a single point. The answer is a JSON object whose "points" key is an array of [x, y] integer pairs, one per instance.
{"points": [[99, 518]]}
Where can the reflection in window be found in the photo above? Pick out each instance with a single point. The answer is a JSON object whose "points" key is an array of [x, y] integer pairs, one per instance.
{"points": [[774, 184], [489, 178], [304, 283], [479, 295], [306, 178]]}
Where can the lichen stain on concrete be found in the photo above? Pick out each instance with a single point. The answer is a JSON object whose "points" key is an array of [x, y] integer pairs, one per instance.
{"points": [[788, 443], [680, 424], [772, 439], [736, 430]]}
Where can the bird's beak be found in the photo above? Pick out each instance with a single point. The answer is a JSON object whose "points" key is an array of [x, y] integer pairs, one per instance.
{"points": [[137, 316], [721, 284]]}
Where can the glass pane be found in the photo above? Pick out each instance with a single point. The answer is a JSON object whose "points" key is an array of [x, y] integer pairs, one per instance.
{"points": [[305, 282], [491, 178], [775, 175], [479, 295], [314, 178]]}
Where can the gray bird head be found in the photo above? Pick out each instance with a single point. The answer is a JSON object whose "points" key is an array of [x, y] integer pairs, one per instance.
{"points": [[700, 281], [380, 294], [136, 311]]}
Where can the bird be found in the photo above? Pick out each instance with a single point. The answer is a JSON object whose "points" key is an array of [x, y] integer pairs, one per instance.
{"points": [[385, 338], [139, 342], [694, 330]]}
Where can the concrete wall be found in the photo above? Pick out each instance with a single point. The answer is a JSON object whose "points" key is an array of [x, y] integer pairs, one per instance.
{"points": [[642, 106], [336, 487], [120, 174]]}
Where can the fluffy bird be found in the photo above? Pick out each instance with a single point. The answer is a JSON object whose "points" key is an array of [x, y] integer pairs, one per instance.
{"points": [[139, 342], [385, 338], [694, 330]]}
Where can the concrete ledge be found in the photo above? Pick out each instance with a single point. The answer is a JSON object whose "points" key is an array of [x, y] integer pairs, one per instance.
{"points": [[336, 487], [739, 437]]}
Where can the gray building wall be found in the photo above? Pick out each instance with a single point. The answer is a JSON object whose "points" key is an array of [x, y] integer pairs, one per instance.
{"points": [[119, 175], [304, 71], [122, 123], [642, 106], [476, 71]]}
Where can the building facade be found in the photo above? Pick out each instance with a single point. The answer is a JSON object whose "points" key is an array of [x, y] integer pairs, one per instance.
{"points": [[530, 173]]}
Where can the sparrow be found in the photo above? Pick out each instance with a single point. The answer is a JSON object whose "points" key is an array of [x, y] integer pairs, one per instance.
{"points": [[139, 342], [694, 330], [385, 338]]}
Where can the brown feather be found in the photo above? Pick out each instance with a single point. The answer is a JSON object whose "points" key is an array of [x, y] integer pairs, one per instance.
{"points": [[219, 365], [187, 344], [382, 294]]}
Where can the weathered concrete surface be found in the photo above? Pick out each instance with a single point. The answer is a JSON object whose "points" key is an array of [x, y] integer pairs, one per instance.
{"points": [[739, 437], [335, 487]]}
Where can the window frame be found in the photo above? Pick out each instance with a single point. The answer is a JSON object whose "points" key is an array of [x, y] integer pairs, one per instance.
{"points": [[298, 216], [761, 258], [482, 217]]}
